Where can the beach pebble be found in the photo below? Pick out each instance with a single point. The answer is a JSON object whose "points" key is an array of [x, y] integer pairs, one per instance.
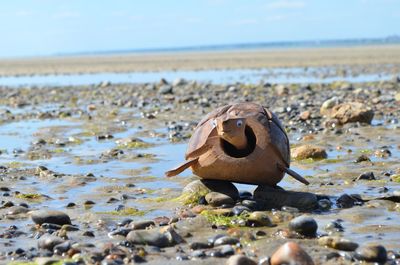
{"points": [[207, 186], [352, 112], [225, 240], [227, 250], [179, 82], [371, 253], [304, 225], [141, 224], [14, 210], [62, 248], [155, 237], [50, 216], [348, 201], [239, 209], [338, 243], [328, 104], [165, 89], [259, 219], [46, 260], [217, 199], [49, 242], [240, 259], [272, 198], [308, 151], [290, 253], [366, 176]]}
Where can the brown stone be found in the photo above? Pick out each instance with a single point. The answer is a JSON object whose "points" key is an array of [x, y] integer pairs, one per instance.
{"points": [[309, 151], [291, 253]]}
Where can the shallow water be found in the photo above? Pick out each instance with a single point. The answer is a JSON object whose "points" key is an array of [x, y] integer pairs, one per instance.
{"points": [[230, 76]]}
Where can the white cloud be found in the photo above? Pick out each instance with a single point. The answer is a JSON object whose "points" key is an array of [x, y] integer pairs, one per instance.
{"points": [[286, 4]]}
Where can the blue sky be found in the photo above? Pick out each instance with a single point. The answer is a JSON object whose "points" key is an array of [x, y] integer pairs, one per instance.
{"points": [[45, 27]]}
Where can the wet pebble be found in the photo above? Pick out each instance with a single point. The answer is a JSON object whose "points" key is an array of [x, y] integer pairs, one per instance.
{"points": [[225, 240], [207, 186], [141, 224], [309, 151], [50, 216], [348, 201], [338, 243], [259, 219], [49, 242], [227, 250], [334, 226], [154, 237], [366, 176], [304, 225], [291, 253], [371, 253], [217, 199], [239, 209], [240, 259]]}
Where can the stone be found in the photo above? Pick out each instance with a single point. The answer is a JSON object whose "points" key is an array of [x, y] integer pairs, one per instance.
{"points": [[371, 253], [328, 105], [225, 240], [290, 253], [179, 82], [165, 89], [227, 250], [338, 243], [217, 199], [155, 237], [14, 210], [352, 112], [207, 186], [141, 224], [304, 225], [308, 151], [50, 216], [281, 90], [46, 260], [49, 242], [305, 115], [397, 96], [240, 259], [259, 218], [366, 176], [239, 209], [348, 201], [271, 198]]}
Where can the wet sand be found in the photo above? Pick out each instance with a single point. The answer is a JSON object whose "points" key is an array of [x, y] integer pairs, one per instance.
{"points": [[295, 57]]}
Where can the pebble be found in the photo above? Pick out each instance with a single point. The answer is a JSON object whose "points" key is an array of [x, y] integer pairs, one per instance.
{"points": [[239, 209], [14, 210], [240, 259], [50, 216], [291, 253], [46, 260], [154, 237], [199, 245], [165, 89], [225, 240], [271, 198], [207, 186], [227, 250], [304, 225], [338, 243], [366, 176], [352, 112], [334, 226], [371, 253], [49, 242], [141, 224], [217, 199], [259, 219], [348, 201], [308, 151]]}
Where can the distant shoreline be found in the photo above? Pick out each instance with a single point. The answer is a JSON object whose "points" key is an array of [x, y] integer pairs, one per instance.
{"points": [[204, 60]]}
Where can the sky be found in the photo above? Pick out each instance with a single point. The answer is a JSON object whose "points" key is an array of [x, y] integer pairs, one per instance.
{"points": [[48, 27]]}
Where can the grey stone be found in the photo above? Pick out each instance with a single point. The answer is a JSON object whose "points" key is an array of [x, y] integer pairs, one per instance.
{"points": [[155, 237], [227, 250], [240, 259], [207, 186], [49, 242], [141, 224], [304, 225], [216, 199], [371, 253], [14, 210], [50, 216], [225, 240], [259, 219], [165, 89], [270, 198]]}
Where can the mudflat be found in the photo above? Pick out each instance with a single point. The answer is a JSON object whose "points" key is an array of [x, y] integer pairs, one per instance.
{"points": [[290, 57]]}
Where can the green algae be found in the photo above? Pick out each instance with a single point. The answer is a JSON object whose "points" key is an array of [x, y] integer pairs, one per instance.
{"points": [[29, 196], [221, 220]]}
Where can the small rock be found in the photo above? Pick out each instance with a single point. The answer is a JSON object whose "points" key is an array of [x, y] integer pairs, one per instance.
{"points": [[334, 226], [46, 260], [352, 112], [240, 259], [397, 96], [225, 240], [304, 225], [271, 198], [165, 89], [50, 216], [291, 253], [207, 186], [179, 82], [371, 253], [348, 201], [155, 237], [141, 224], [239, 209], [309, 151], [281, 90], [217, 199], [338, 243], [49, 242], [227, 250], [14, 210], [328, 105], [259, 219], [363, 158], [305, 115], [366, 176]]}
